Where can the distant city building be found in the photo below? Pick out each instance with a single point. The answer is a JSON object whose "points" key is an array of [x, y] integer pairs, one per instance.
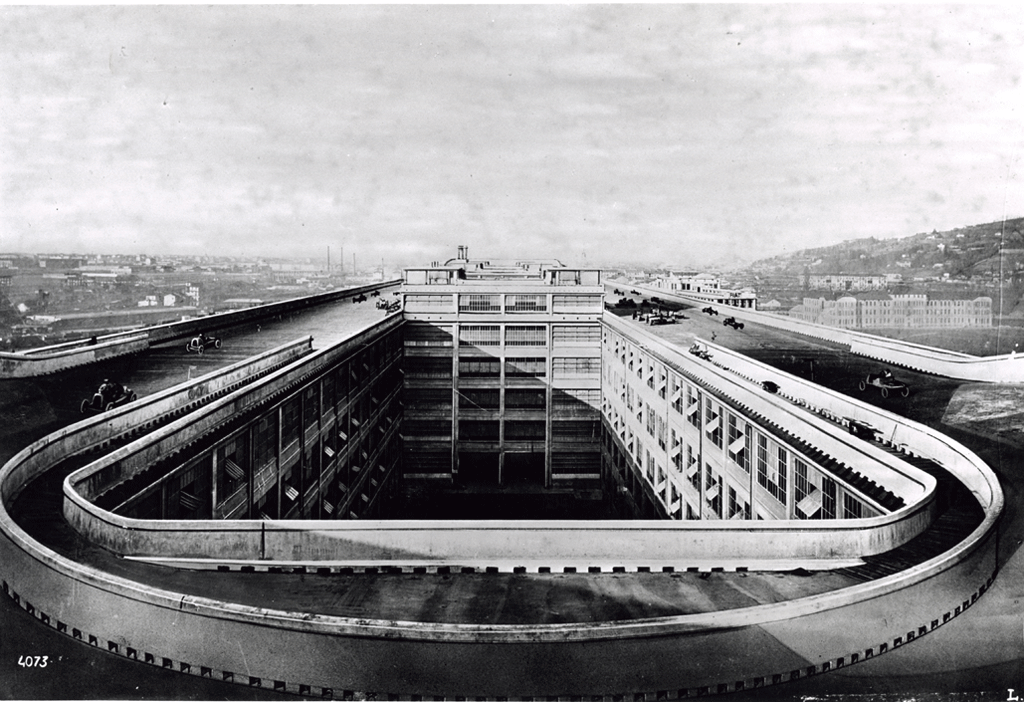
{"points": [[845, 282], [707, 288], [896, 311]]}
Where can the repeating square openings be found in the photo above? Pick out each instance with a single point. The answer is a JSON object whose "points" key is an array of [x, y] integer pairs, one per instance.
{"points": [[526, 304], [481, 304]]}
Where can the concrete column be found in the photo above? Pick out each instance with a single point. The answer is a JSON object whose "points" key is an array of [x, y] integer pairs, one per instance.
{"points": [[213, 483]]}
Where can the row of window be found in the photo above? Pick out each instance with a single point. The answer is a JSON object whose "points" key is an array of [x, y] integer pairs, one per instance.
{"points": [[422, 334], [573, 430], [508, 304], [490, 398], [489, 367]]}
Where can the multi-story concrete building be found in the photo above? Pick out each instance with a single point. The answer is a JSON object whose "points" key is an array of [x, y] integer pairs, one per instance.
{"points": [[698, 454], [502, 373]]}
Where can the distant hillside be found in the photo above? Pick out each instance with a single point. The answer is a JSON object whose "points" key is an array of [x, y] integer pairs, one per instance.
{"points": [[965, 253]]}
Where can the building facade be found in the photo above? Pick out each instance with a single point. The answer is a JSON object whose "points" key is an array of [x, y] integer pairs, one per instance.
{"points": [[696, 454], [706, 287], [502, 373], [845, 282], [895, 311]]}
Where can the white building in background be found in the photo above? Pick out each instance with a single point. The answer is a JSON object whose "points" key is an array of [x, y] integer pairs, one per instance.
{"points": [[845, 282], [877, 310], [706, 287]]}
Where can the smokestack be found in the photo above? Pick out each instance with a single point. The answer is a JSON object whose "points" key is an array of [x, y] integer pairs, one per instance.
{"points": [[463, 253]]}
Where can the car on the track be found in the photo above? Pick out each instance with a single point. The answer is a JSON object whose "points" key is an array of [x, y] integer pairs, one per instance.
{"points": [[107, 397], [885, 382], [359, 298], [199, 343], [710, 310], [731, 322], [655, 319], [700, 352]]}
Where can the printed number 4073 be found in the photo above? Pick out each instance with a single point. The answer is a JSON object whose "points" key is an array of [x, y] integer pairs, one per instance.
{"points": [[33, 661]]}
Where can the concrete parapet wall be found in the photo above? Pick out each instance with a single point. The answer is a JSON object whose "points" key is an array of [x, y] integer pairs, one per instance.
{"points": [[60, 357], [892, 429], [35, 363], [98, 430], [1006, 368]]}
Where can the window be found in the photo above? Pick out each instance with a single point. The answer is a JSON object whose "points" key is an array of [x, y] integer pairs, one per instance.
{"points": [[479, 367], [692, 467], [479, 335], [525, 367], [520, 430], [828, 498], [577, 430], [428, 367], [471, 399], [767, 475], [677, 394], [428, 303], [851, 507], [713, 491], [521, 304], [478, 430], [739, 442], [517, 335], [479, 303], [524, 399], [576, 399], [576, 335], [692, 406], [713, 423], [428, 398], [806, 496], [576, 367], [427, 429], [578, 303], [426, 335]]}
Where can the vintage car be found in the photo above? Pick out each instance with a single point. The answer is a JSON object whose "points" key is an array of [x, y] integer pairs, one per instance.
{"points": [[710, 310], [885, 382], [359, 298], [700, 352], [654, 319], [107, 397], [731, 322], [198, 344]]}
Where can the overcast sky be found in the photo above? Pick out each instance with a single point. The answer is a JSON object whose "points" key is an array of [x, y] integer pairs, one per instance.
{"points": [[684, 134]]}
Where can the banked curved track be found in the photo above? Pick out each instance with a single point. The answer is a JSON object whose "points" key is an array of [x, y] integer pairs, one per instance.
{"points": [[106, 603]]}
